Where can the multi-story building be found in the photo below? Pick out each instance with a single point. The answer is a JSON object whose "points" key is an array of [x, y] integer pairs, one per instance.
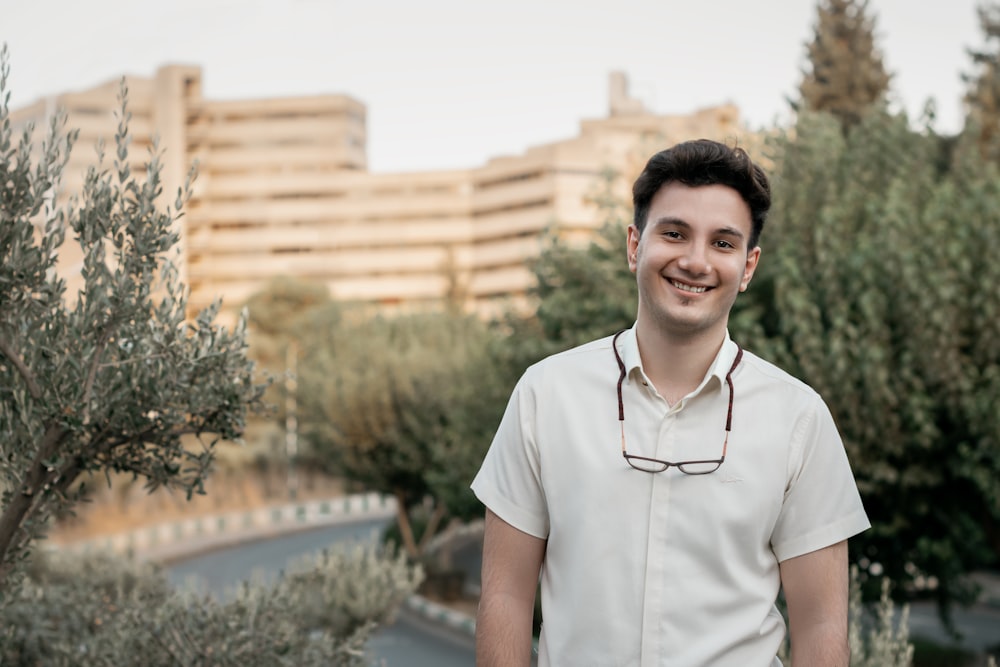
{"points": [[283, 189]]}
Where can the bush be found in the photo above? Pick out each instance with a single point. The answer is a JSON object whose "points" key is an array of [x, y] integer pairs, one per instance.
{"points": [[887, 642], [100, 609]]}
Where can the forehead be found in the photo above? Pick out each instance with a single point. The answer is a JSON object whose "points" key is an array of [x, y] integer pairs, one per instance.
{"points": [[702, 205]]}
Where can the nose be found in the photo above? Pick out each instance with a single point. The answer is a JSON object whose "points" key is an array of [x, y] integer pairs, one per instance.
{"points": [[695, 260]]}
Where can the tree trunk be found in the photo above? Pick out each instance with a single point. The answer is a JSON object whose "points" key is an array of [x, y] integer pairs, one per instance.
{"points": [[432, 526], [12, 519], [405, 528]]}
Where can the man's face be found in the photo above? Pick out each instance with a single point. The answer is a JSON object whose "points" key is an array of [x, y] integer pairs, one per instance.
{"points": [[692, 258]]}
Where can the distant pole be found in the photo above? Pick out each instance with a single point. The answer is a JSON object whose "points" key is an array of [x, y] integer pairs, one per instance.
{"points": [[291, 420]]}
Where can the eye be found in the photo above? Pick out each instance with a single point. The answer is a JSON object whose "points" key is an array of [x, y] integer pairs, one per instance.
{"points": [[672, 234], [725, 245]]}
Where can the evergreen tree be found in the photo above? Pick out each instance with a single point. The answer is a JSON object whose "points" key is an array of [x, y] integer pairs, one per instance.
{"points": [[882, 282], [982, 98], [846, 76]]}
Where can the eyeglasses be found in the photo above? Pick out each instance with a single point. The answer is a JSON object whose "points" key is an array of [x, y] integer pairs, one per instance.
{"points": [[647, 464]]}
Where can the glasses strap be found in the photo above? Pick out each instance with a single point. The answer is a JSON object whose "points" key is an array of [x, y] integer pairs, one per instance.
{"points": [[729, 381], [621, 379]]}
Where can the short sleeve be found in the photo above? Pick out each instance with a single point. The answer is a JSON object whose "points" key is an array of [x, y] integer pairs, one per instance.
{"points": [[509, 481], [822, 505]]}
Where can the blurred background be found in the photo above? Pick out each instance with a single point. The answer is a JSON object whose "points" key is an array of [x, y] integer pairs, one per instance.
{"points": [[410, 203]]}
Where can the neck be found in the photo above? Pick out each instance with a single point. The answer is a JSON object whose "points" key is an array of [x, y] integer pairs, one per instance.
{"points": [[676, 364]]}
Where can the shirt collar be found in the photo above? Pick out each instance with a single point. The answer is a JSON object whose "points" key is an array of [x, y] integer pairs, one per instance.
{"points": [[719, 368]]}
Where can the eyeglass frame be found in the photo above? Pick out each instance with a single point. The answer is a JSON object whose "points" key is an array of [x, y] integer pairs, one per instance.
{"points": [[668, 464]]}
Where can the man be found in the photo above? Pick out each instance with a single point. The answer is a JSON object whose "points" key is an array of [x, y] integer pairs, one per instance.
{"points": [[664, 482]]}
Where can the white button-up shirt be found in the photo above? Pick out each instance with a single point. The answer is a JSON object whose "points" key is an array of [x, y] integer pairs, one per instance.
{"points": [[666, 568]]}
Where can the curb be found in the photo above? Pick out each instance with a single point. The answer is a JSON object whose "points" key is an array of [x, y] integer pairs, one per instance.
{"points": [[438, 613], [178, 539]]}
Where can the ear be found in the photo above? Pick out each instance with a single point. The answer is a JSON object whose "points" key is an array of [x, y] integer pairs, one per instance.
{"points": [[751, 266], [632, 248]]}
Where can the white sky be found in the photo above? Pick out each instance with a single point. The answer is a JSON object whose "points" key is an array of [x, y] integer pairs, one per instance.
{"points": [[450, 83]]}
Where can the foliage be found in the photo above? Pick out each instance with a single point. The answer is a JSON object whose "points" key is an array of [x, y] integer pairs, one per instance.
{"points": [[582, 292], [876, 270], [280, 306], [887, 642], [116, 379], [101, 610], [280, 315], [982, 97], [846, 76], [285, 317], [407, 406]]}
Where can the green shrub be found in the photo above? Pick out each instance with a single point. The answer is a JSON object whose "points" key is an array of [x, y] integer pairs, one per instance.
{"points": [[99, 609]]}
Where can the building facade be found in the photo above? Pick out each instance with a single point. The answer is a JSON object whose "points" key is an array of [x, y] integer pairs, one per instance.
{"points": [[283, 190]]}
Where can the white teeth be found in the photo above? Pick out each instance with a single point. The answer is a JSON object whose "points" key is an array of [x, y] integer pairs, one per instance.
{"points": [[688, 288]]}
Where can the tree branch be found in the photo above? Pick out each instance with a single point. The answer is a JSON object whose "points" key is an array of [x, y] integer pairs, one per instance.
{"points": [[166, 647], [25, 372], [88, 386], [105, 443], [163, 355]]}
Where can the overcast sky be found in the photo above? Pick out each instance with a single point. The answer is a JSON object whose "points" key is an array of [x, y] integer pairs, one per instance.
{"points": [[450, 83]]}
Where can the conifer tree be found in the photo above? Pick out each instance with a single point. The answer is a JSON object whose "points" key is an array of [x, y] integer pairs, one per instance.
{"points": [[982, 98], [846, 75], [877, 267]]}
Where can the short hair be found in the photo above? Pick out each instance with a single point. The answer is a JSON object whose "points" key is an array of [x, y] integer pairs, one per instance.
{"points": [[705, 162]]}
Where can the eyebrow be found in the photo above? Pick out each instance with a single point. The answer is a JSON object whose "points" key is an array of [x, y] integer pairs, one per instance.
{"points": [[677, 222]]}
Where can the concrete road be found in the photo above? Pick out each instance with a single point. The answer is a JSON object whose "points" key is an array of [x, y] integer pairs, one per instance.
{"points": [[410, 642], [979, 626]]}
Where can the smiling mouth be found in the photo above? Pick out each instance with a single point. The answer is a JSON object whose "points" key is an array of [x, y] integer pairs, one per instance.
{"points": [[693, 289]]}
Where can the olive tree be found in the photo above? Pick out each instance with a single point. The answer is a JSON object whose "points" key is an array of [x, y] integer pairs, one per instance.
{"points": [[115, 377], [405, 405], [120, 378]]}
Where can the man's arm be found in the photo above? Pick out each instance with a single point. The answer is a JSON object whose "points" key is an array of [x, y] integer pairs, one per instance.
{"points": [[815, 586], [511, 563]]}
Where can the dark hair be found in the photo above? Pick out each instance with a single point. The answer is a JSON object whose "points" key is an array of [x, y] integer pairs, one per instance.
{"points": [[704, 162]]}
